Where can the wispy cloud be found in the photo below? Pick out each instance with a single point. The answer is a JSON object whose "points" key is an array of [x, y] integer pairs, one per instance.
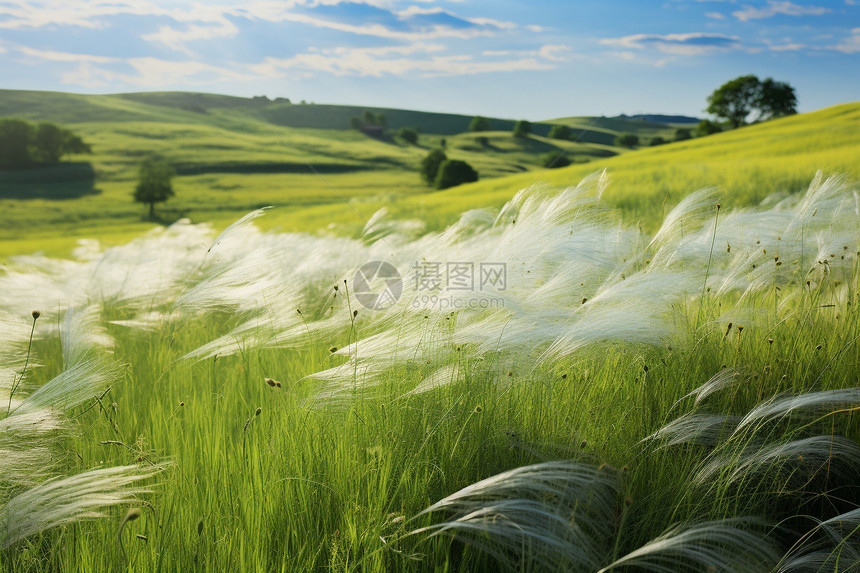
{"points": [[551, 52], [715, 15], [850, 45], [397, 61], [54, 56], [678, 44], [152, 73], [777, 7], [177, 39]]}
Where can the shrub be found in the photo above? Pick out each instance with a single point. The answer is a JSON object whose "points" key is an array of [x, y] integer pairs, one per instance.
{"points": [[408, 134], [555, 159], [454, 172], [522, 128], [479, 123], [707, 127], [559, 132], [657, 140], [682, 134], [627, 140]]}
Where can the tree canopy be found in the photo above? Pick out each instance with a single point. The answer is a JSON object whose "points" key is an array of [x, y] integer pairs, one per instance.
{"points": [[627, 140], [559, 132], [522, 128], [408, 134], [430, 165], [454, 172], [154, 183], [737, 99], [479, 123], [24, 145]]}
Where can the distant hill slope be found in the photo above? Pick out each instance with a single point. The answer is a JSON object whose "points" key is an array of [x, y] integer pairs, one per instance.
{"points": [[777, 157], [236, 154], [191, 107], [670, 119]]}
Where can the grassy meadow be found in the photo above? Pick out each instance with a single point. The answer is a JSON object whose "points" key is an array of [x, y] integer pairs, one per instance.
{"points": [[233, 155], [666, 380]]}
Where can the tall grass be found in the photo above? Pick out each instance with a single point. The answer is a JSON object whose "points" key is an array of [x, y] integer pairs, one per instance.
{"points": [[674, 401]]}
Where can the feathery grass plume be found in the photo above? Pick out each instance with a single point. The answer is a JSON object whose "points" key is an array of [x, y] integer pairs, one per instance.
{"points": [[82, 335], [71, 387], [240, 223], [725, 378], [809, 403], [700, 429], [725, 545], [799, 459], [13, 343], [394, 232], [439, 378], [61, 501], [26, 466], [560, 514], [832, 545]]}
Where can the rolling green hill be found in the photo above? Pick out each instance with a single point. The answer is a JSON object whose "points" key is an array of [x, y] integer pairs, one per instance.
{"points": [[236, 154]]}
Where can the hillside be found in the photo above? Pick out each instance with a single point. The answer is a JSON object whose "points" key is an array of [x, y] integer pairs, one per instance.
{"points": [[232, 159], [235, 154]]}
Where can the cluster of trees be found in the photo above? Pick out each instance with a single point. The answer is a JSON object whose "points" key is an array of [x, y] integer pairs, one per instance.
{"points": [[441, 172], [24, 145], [368, 121]]}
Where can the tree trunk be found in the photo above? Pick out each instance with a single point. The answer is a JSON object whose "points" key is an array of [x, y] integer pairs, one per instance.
{"points": [[152, 210]]}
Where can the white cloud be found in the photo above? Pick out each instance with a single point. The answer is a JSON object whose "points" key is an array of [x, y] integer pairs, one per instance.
{"points": [[394, 61], [152, 73], [775, 7], [555, 52], [850, 45], [791, 47], [715, 15], [211, 21], [551, 52], [679, 44], [177, 39], [64, 56]]}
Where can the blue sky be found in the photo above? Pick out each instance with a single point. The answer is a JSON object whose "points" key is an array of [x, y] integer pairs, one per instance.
{"points": [[506, 58]]}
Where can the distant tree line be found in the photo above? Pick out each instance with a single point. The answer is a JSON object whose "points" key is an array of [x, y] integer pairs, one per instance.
{"points": [[24, 145], [368, 121]]}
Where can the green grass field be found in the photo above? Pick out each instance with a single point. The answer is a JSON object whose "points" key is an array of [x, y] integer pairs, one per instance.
{"points": [[668, 383], [233, 155]]}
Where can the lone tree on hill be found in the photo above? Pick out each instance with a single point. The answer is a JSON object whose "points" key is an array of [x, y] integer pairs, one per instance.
{"points": [[430, 165], [522, 128], [737, 99], [479, 123], [454, 172], [154, 184]]}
